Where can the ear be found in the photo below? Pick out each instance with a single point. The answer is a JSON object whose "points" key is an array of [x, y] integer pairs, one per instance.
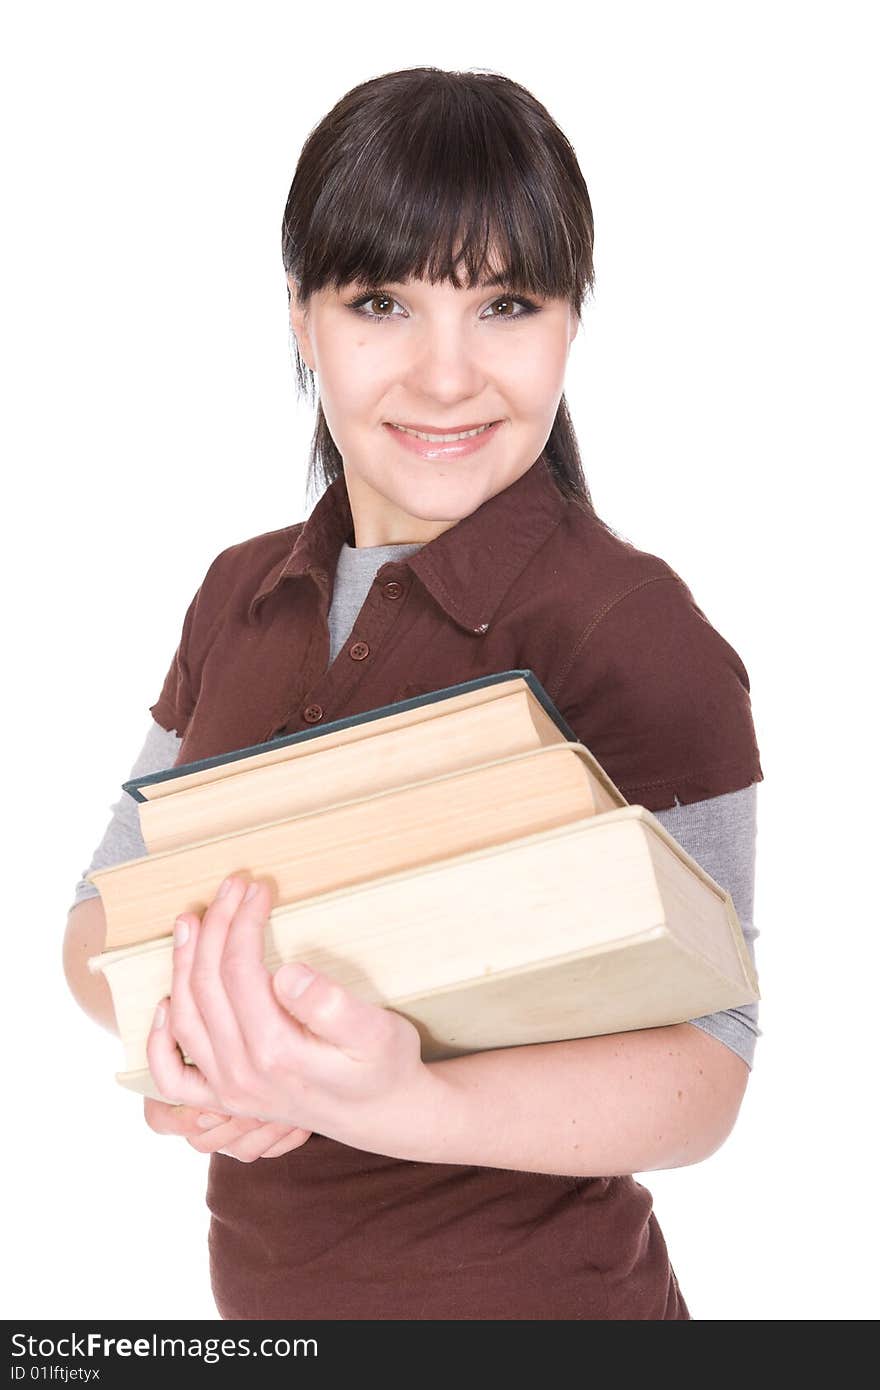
{"points": [[299, 324]]}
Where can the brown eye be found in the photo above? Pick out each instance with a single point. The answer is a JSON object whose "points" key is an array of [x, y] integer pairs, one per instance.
{"points": [[366, 305], [520, 304]]}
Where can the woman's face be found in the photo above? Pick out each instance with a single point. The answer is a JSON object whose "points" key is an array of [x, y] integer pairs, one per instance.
{"points": [[424, 355]]}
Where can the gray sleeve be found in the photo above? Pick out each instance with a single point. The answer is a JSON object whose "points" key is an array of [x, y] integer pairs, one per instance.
{"points": [[122, 838], [720, 833]]}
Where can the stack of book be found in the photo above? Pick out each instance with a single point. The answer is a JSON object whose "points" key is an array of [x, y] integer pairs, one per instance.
{"points": [[459, 857]]}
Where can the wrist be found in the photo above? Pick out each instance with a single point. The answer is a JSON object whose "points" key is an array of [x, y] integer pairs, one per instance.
{"points": [[415, 1124]]}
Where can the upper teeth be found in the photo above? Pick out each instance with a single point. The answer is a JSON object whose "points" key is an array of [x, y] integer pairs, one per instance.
{"points": [[445, 438]]}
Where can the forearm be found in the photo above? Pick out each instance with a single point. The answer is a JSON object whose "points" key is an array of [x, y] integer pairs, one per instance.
{"points": [[590, 1107], [92, 994], [91, 991]]}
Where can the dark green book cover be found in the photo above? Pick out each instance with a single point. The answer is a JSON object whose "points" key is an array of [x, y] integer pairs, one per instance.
{"points": [[431, 697]]}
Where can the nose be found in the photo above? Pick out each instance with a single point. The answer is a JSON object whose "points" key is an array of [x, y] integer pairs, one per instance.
{"points": [[445, 365]]}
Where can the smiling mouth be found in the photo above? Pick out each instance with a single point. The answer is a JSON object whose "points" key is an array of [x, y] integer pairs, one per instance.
{"points": [[448, 438]]}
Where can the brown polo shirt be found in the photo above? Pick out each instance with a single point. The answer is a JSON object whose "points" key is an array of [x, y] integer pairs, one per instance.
{"points": [[614, 635]]}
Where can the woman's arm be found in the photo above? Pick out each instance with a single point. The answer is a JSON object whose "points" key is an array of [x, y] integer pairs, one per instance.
{"points": [[590, 1107], [86, 928], [623, 1102], [240, 1137]]}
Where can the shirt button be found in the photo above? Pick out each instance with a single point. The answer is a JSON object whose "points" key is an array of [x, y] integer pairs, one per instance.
{"points": [[392, 589], [312, 713], [359, 651]]}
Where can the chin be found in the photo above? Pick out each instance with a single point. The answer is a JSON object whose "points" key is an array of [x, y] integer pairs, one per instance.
{"points": [[447, 495]]}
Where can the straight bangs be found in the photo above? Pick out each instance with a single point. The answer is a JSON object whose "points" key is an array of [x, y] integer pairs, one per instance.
{"points": [[441, 181]]}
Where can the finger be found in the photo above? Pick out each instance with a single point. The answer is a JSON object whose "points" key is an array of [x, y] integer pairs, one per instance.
{"points": [[186, 1023], [165, 1118], [225, 1132], [250, 1147], [177, 1081], [332, 1012], [202, 1018], [247, 981], [294, 1140]]}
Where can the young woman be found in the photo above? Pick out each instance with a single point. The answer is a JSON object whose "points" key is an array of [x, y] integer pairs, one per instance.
{"points": [[438, 245]]}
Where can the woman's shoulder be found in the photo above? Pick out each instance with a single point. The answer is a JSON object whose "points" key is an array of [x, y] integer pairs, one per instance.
{"points": [[235, 575], [597, 587], [644, 677], [600, 562], [252, 558]]}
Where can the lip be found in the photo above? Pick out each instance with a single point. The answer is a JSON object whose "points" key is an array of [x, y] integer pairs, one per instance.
{"points": [[454, 449], [441, 429]]}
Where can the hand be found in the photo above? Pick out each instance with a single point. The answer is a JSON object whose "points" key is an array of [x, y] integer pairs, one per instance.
{"points": [[320, 1059], [240, 1136]]}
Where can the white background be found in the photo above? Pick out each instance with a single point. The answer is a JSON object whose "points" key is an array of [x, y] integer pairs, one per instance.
{"points": [[720, 390]]}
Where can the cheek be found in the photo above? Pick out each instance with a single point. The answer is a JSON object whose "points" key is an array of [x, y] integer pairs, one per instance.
{"points": [[531, 370], [535, 378], [352, 379]]}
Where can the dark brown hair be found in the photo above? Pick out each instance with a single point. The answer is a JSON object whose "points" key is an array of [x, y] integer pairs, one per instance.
{"points": [[415, 171]]}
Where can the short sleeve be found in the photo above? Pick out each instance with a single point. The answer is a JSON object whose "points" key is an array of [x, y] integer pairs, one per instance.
{"points": [[174, 707], [661, 699]]}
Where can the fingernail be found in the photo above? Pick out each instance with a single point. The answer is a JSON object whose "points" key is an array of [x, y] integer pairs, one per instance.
{"points": [[224, 887], [251, 892], [209, 1121], [159, 1018], [181, 932], [302, 984]]}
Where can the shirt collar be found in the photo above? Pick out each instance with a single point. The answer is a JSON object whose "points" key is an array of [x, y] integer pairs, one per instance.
{"points": [[467, 569]]}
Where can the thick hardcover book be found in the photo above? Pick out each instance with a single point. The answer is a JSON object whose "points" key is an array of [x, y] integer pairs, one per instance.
{"points": [[142, 788], [447, 731]]}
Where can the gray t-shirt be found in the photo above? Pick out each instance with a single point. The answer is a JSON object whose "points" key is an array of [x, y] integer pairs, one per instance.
{"points": [[720, 833]]}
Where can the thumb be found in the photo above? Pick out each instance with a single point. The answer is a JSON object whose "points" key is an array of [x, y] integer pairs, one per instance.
{"points": [[325, 1007], [291, 981]]}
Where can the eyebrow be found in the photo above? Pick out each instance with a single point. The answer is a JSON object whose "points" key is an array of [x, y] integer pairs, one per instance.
{"points": [[487, 283]]}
